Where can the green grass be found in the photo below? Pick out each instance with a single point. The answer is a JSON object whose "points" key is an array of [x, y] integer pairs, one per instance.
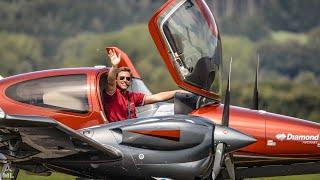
{"points": [[300, 177], [55, 176], [283, 36]]}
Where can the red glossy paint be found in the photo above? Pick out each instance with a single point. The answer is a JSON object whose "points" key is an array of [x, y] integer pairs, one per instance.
{"points": [[95, 116], [262, 125], [163, 49], [166, 134], [265, 127], [209, 17], [73, 120], [277, 135]]}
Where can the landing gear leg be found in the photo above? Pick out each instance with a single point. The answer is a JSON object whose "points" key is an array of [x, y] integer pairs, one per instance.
{"points": [[15, 173]]}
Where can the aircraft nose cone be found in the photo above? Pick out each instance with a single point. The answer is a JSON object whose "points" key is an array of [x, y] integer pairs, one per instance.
{"points": [[233, 139]]}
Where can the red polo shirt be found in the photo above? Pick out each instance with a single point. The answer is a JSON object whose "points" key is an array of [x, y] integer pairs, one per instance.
{"points": [[116, 105]]}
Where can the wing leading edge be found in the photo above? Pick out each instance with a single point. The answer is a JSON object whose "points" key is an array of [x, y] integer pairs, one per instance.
{"points": [[26, 137]]}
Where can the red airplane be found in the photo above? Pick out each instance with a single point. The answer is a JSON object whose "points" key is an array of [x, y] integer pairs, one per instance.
{"points": [[54, 120]]}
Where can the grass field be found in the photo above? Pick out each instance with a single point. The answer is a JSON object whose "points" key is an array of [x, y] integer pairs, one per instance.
{"points": [[283, 36], [55, 176]]}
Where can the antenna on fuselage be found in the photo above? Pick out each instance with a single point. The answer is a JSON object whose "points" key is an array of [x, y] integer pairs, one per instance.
{"points": [[255, 98]]}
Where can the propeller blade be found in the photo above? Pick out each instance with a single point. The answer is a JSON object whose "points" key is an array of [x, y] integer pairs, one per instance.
{"points": [[255, 104], [227, 138], [218, 159], [225, 117], [230, 166], [221, 147]]}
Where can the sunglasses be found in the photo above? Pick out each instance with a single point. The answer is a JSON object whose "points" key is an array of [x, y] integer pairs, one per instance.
{"points": [[125, 77]]}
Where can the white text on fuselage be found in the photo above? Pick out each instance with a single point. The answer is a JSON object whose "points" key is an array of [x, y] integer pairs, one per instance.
{"points": [[307, 139]]}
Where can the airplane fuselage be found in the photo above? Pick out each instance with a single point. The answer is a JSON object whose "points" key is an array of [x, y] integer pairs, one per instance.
{"points": [[277, 135]]}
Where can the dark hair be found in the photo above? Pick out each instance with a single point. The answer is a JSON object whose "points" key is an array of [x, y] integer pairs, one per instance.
{"points": [[124, 69]]}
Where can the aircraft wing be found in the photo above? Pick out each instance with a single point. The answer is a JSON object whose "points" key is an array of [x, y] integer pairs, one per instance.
{"points": [[26, 137]]}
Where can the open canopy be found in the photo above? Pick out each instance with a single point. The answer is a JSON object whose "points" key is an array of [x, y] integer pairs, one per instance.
{"points": [[187, 37]]}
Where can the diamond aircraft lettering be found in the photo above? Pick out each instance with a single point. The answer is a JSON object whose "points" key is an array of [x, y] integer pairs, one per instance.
{"points": [[297, 137]]}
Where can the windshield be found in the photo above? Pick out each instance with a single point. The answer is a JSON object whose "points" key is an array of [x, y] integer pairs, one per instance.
{"points": [[194, 43]]}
